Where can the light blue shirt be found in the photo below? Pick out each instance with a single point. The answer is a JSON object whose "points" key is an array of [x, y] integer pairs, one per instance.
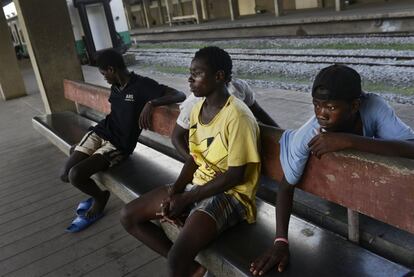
{"points": [[378, 120]]}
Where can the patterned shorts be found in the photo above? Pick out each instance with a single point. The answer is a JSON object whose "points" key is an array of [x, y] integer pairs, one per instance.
{"points": [[224, 208], [92, 144]]}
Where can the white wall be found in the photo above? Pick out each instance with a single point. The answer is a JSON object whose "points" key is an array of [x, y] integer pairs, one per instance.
{"points": [[99, 26], [247, 7], [306, 4], [10, 10], [75, 20], [118, 13]]}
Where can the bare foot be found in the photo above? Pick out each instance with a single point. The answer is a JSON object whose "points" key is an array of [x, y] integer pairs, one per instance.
{"points": [[99, 204]]}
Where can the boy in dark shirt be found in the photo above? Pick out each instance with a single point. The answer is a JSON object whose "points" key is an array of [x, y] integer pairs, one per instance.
{"points": [[114, 138]]}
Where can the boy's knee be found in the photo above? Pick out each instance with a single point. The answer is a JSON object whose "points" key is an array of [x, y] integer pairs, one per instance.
{"points": [[126, 218], [64, 177], [75, 176]]}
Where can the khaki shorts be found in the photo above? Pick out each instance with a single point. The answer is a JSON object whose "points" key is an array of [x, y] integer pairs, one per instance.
{"points": [[92, 144]]}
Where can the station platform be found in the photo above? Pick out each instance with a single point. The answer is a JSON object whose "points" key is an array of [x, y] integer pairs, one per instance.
{"points": [[392, 17]]}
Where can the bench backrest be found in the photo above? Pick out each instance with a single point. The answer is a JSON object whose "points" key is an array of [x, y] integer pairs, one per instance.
{"points": [[380, 187]]}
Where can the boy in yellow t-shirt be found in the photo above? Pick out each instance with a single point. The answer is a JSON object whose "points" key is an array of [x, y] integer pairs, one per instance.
{"points": [[217, 184], [228, 140]]}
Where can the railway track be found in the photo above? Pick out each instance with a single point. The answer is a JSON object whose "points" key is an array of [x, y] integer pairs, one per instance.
{"points": [[292, 57]]}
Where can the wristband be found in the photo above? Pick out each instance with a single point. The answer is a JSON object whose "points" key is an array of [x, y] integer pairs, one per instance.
{"points": [[281, 239]]}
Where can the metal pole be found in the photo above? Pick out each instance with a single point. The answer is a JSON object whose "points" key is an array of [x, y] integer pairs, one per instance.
{"points": [[338, 5], [353, 226], [278, 7], [146, 12]]}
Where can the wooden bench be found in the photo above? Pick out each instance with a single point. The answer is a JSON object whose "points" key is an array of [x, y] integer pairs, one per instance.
{"points": [[183, 20], [335, 177]]}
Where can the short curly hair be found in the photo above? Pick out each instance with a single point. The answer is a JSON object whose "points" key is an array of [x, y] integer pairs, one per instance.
{"points": [[112, 58], [216, 59]]}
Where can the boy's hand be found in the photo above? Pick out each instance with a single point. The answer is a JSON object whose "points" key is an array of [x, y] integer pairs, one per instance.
{"points": [[164, 207], [276, 256], [176, 221], [172, 209], [145, 117], [178, 203], [165, 204], [329, 142]]}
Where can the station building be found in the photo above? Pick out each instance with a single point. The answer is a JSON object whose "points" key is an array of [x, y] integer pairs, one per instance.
{"points": [[197, 19]]}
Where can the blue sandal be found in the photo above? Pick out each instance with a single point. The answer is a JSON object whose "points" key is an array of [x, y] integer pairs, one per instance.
{"points": [[84, 206], [82, 222]]}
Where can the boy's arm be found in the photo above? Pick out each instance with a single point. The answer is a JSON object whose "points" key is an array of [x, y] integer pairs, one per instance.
{"points": [[294, 154], [186, 176], [179, 139], [331, 142], [278, 254], [176, 190], [262, 115], [170, 96]]}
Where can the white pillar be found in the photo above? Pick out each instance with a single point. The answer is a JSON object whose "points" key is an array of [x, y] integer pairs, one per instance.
{"points": [[169, 7], [204, 9], [11, 81], [146, 12], [278, 7], [197, 11], [51, 44], [234, 9], [338, 5]]}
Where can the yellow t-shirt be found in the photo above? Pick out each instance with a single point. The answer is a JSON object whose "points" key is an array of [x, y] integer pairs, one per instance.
{"points": [[231, 138]]}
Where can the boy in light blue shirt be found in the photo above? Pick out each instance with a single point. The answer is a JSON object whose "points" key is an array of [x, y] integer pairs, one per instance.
{"points": [[378, 120], [345, 118]]}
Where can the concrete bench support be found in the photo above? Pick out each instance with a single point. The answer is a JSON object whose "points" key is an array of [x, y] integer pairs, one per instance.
{"points": [[353, 226]]}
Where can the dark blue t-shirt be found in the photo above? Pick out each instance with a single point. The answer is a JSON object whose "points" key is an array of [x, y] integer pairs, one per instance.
{"points": [[120, 126]]}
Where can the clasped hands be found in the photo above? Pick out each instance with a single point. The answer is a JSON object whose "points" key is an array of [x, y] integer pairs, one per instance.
{"points": [[172, 208]]}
